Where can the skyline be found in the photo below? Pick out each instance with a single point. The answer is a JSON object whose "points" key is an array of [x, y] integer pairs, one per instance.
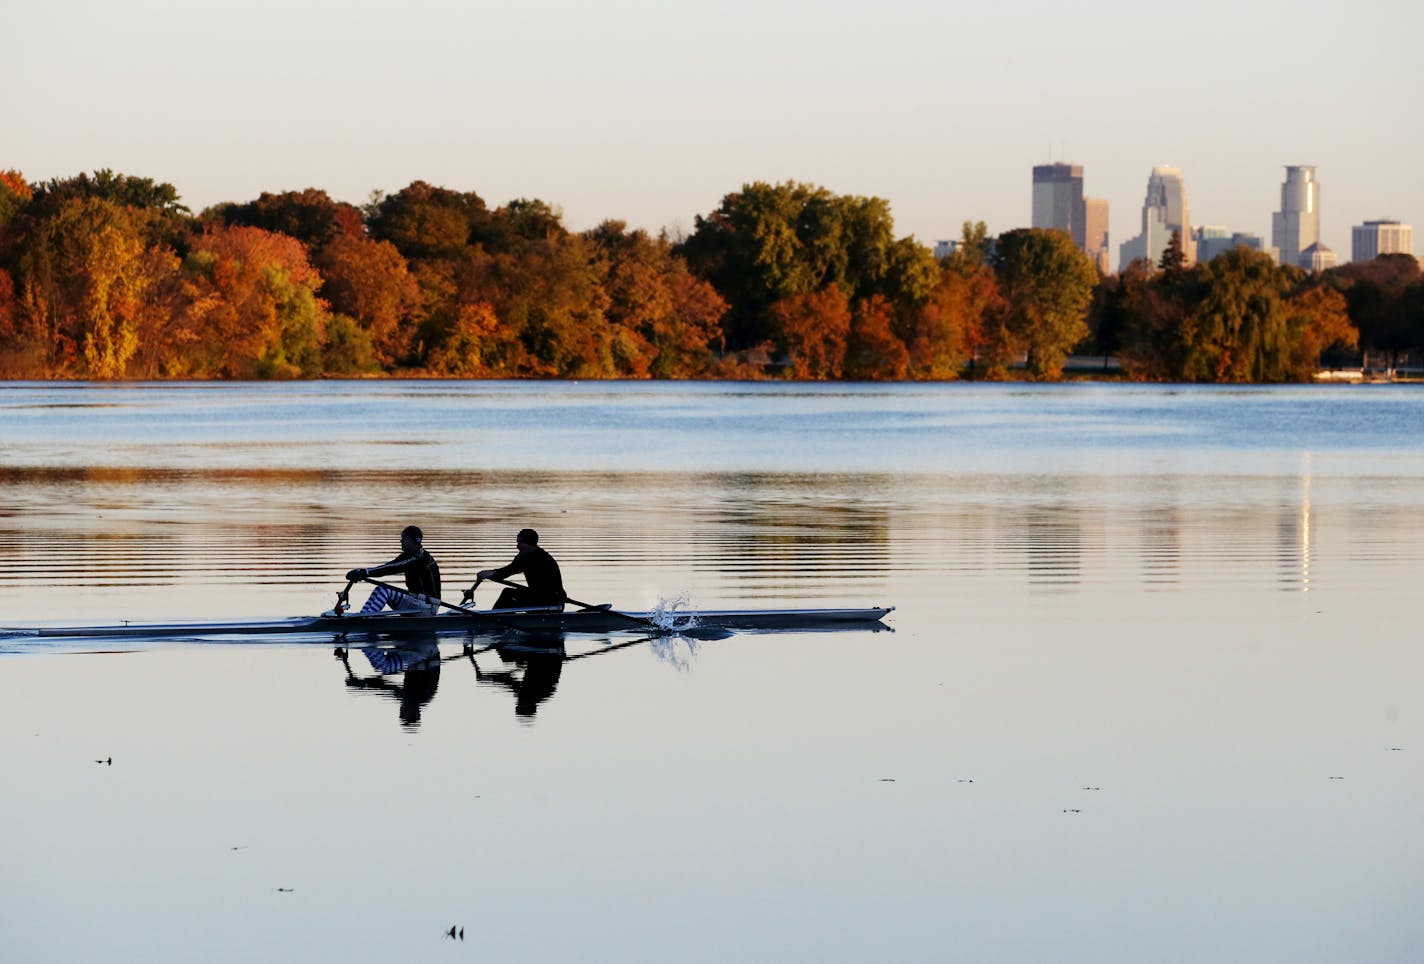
{"points": [[629, 110]]}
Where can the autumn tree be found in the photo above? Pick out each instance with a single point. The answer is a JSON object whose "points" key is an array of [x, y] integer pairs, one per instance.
{"points": [[89, 288], [424, 221], [251, 308], [813, 328], [945, 333], [1376, 295], [1317, 319], [873, 351], [310, 216], [1047, 284], [664, 320], [370, 282]]}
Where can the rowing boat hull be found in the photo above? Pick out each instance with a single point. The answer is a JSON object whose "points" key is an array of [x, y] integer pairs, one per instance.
{"points": [[496, 621]]}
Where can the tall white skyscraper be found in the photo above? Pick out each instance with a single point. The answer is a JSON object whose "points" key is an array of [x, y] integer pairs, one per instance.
{"points": [[1296, 226], [1164, 211]]}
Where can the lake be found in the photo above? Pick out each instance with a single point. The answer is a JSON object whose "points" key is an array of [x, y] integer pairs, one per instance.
{"points": [[1152, 691]]}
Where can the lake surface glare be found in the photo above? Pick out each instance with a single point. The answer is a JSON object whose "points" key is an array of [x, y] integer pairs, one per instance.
{"points": [[1152, 691]]}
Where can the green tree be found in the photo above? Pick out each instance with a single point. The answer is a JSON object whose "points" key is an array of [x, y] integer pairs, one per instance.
{"points": [[767, 243], [1047, 284], [1238, 329]]}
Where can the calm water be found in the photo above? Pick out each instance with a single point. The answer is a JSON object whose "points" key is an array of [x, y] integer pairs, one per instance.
{"points": [[1153, 692]]}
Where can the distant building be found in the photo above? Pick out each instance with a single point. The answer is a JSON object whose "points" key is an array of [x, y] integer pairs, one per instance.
{"points": [[1095, 232], [1374, 238], [1296, 226], [944, 249], [1212, 240], [1059, 204], [1163, 211], [1317, 257]]}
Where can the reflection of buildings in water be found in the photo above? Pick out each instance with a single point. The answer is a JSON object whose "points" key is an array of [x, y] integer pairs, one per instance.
{"points": [[1053, 543], [819, 528], [1160, 541], [1294, 538], [415, 659]]}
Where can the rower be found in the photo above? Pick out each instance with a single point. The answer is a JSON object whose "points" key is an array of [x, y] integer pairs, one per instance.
{"points": [[422, 578], [541, 572]]}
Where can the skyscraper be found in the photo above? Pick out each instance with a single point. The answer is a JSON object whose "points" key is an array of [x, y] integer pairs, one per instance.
{"points": [[1058, 203], [1164, 211], [1296, 226], [1374, 238]]}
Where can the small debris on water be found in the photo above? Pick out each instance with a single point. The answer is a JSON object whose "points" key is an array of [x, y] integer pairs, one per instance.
{"points": [[887, 779], [1337, 778], [1395, 749], [1092, 788], [285, 890], [241, 847], [106, 762], [1072, 811], [965, 781], [455, 933]]}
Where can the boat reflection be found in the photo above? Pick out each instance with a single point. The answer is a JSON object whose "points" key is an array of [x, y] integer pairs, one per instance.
{"points": [[406, 667]]}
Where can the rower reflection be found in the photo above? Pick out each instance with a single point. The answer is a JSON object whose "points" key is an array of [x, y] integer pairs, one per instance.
{"points": [[415, 659], [533, 661]]}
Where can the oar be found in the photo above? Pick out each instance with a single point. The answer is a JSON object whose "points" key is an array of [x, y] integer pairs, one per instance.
{"points": [[602, 607], [459, 609]]}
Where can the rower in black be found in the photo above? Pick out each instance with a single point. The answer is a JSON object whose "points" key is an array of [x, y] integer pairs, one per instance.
{"points": [[540, 571], [422, 577]]}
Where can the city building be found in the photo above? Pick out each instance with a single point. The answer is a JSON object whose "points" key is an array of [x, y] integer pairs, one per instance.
{"points": [[1296, 226], [1374, 238], [1058, 203], [1095, 232], [1212, 240], [1164, 211], [1317, 257]]}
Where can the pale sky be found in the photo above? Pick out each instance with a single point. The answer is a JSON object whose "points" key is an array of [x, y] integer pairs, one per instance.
{"points": [[651, 112]]}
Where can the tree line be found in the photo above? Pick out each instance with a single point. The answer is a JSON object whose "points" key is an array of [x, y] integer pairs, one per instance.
{"points": [[110, 276]]}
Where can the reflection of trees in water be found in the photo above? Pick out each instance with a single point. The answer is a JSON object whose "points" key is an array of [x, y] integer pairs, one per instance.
{"points": [[1050, 537], [759, 528]]}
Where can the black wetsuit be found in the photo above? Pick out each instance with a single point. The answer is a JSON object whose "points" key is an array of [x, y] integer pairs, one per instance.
{"points": [[422, 574], [541, 572]]}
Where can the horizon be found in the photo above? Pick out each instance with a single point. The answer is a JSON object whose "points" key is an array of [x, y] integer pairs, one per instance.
{"points": [[651, 115]]}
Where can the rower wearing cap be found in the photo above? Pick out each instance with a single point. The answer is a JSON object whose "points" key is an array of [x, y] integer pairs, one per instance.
{"points": [[540, 571], [422, 578]]}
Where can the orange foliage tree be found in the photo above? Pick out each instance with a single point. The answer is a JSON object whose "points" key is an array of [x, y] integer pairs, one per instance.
{"points": [[813, 328], [664, 320], [250, 306], [370, 281], [873, 351], [91, 289]]}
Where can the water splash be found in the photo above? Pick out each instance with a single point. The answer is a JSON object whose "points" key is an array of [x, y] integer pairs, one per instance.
{"points": [[674, 615], [679, 652]]}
